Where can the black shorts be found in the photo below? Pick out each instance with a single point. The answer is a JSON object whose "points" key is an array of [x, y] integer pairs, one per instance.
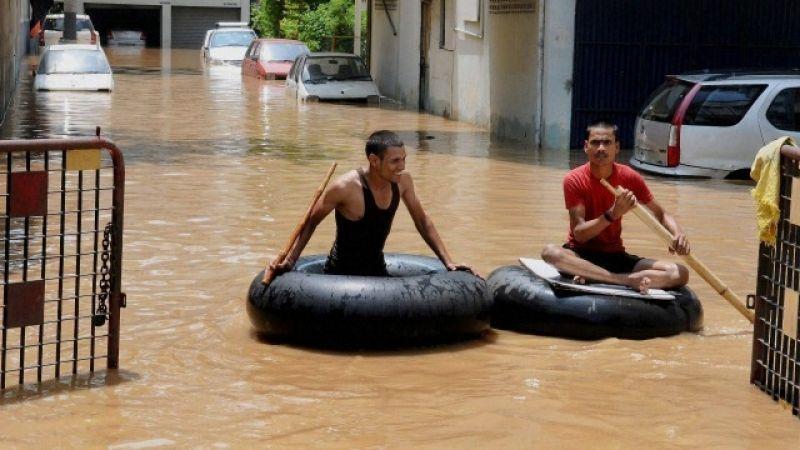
{"points": [[614, 262]]}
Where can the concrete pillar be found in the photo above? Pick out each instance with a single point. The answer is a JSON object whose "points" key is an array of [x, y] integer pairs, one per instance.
{"points": [[70, 11], [245, 15], [357, 28], [166, 27], [166, 38]]}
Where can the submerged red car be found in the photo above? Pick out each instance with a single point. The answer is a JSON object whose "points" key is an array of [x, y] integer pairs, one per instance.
{"points": [[271, 59]]}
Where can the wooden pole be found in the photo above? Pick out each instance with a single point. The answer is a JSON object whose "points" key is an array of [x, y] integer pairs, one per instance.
{"points": [[270, 275], [690, 259]]}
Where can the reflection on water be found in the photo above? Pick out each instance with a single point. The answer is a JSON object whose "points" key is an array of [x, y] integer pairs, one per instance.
{"points": [[219, 168]]}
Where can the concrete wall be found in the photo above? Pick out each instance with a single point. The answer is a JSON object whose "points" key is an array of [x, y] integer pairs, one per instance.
{"points": [[394, 59], [559, 44], [13, 37], [514, 69]]}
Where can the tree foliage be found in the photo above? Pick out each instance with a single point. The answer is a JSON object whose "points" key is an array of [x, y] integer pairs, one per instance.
{"points": [[314, 22]]}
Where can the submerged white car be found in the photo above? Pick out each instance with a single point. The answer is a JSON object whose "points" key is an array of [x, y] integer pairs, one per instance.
{"points": [[74, 67], [133, 38], [227, 43], [331, 76], [53, 30]]}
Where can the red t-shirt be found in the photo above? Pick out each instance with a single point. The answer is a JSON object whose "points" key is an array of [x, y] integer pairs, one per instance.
{"points": [[582, 188]]}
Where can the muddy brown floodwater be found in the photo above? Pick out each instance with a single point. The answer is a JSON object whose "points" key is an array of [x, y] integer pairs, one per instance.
{"points": [[219, 168]]}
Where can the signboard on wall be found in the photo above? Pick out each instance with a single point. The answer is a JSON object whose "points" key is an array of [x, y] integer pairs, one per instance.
{"points": [[386, 5], [512, 7]]}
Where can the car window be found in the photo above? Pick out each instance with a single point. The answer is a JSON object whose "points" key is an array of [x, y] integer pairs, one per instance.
{"points": [[784, 111], [296, 68], [231, 38], [665, 100], [73, 61], [722, 105], [326, 68], [282, 52], [252, 50], [58, 24]]}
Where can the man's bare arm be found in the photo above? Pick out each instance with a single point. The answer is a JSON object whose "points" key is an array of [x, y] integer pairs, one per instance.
{"points": [[680, 244], [584, 230], [425, 226], [329, 200]]}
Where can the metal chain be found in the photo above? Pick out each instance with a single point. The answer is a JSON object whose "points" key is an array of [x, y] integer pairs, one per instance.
{"points": [[100, 314]]}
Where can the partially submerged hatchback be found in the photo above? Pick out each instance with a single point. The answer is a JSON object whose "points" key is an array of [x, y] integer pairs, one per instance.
{"points": [[74, 67], [712, 124], [271, 59], [331, 76]]}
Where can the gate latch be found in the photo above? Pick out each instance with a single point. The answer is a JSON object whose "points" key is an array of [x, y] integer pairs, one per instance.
{"points": [[123, 299], [751, 301]]}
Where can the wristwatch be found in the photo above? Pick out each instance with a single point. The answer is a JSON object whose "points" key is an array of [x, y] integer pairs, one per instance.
{"points": [[609, 217]]}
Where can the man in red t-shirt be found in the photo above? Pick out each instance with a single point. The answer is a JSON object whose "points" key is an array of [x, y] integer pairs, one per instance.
{"points": [[594, 249]]}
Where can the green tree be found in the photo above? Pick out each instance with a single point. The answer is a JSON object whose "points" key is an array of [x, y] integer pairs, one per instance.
{"points": [[311, 21], [266, 17]]}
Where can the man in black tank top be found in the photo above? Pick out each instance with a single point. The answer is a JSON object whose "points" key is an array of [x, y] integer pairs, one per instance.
{"points": [[365, 201]]}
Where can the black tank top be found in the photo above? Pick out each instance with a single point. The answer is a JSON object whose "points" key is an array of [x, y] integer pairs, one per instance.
{"points": [[358, 249]]}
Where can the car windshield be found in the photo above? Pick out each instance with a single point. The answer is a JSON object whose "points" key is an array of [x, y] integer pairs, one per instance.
{"points": [[282, 52], [232, 38], [339, 68], [58, 24], [73, 61]]}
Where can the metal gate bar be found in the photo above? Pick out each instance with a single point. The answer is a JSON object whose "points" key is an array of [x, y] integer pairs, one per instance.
{"points": [[775, 366], [86, 257]]}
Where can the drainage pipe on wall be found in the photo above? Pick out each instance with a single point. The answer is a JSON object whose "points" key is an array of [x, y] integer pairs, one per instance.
{"points": [[539, 104]]}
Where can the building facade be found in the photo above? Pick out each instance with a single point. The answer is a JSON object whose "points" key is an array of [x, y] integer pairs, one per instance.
{"points": [[13, 38], [168, 23], [483, 62], [541, 70]]}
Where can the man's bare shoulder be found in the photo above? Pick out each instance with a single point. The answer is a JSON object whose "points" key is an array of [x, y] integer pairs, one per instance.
{"points": [[345, 185], [405, 181]]}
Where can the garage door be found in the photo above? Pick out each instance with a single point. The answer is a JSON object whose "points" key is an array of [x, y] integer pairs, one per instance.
{"points": [[189, 24], [623, 49]]}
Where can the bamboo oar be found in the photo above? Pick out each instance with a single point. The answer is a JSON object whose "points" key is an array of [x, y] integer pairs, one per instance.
{"points": [[690, 259], [270, 275]]}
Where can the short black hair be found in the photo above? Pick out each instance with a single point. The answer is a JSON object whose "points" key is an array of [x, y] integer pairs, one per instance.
{"points": [[604, 124], [379, 141]]}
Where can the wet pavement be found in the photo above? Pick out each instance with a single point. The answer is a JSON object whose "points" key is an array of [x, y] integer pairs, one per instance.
{"points": [[220, 168]]}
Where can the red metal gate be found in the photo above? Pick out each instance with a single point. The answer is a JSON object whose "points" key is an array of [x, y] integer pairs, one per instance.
{"points": [[62, 205]]}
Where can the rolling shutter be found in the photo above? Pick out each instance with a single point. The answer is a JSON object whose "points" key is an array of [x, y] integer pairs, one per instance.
{"points": [[189, 24]]}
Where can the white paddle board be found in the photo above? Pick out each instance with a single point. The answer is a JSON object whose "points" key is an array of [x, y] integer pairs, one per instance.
{"points": [[551, 275]]}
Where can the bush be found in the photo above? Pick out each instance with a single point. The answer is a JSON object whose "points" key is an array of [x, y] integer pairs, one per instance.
{"points": [[313, 22]]}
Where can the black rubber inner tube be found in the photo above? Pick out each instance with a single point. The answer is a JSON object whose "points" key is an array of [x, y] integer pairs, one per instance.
{"points": [[420, 303], [526, 303]]}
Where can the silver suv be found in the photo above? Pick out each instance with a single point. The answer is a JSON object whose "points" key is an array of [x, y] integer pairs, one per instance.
{"points": [[712, 124]]}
